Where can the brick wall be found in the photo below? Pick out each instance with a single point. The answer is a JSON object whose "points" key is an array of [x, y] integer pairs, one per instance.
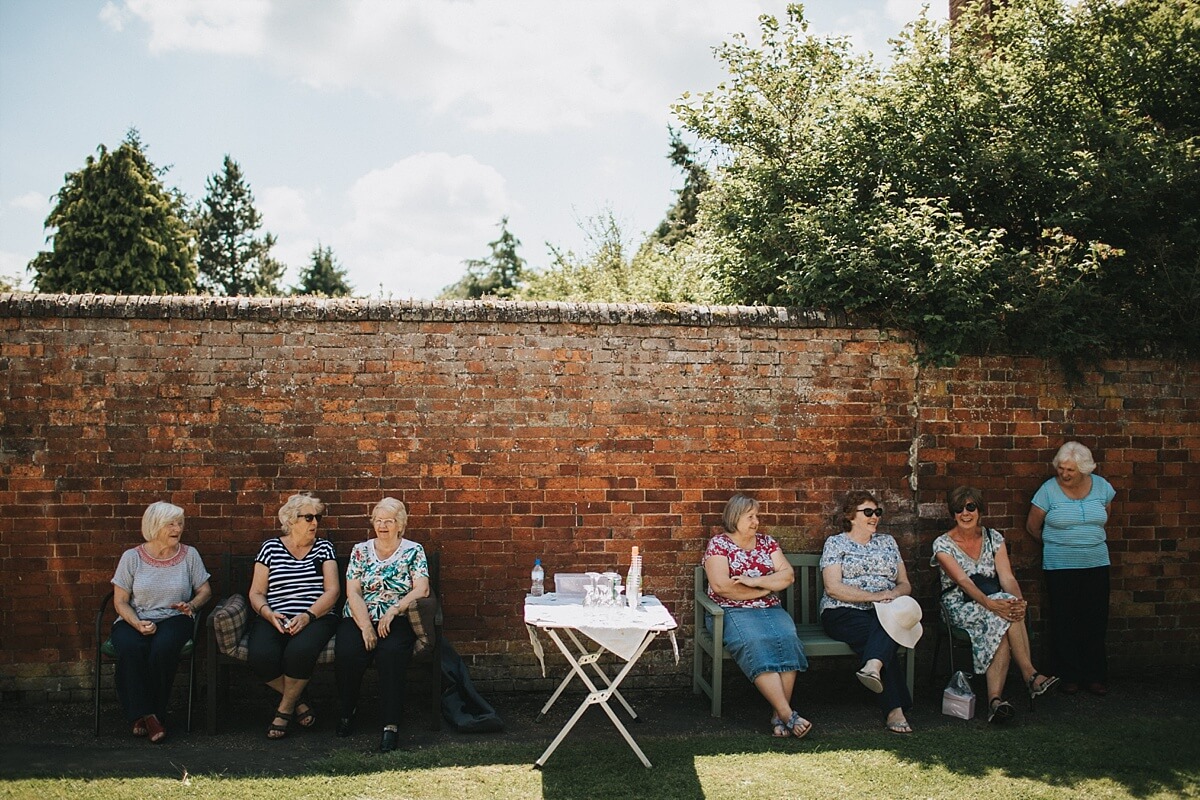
{"points": [[569, 432]]}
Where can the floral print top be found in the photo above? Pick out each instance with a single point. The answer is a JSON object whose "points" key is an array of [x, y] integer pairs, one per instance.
{"points": [[872, 567], [385, 581], [754, 562]]}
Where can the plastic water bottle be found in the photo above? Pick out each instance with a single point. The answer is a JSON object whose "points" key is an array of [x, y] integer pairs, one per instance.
{"points": [[537, 586]]}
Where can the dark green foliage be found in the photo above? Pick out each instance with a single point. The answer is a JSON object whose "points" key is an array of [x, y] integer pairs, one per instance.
{"points": [[233, 258], [497, 275], [323, 276], [1035, 187], [681, 216], [118, 230]]}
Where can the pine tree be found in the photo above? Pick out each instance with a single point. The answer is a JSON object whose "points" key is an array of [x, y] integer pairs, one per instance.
{"points": [[234, 259], [496, 275], [323, 276], [118, 230]]}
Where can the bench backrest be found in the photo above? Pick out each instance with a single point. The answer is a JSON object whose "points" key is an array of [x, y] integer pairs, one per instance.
{"points": [[802, 599], [238, 570]]}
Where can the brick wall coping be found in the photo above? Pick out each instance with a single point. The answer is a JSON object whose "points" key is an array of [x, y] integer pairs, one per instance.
{"points": [[22, 304]]}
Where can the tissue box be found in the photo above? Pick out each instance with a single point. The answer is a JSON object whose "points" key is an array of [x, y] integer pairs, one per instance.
{"points": [[957, 705], [570, 583]]}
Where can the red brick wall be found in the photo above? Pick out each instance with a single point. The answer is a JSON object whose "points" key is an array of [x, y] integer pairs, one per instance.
{"points": [[561, 431]]}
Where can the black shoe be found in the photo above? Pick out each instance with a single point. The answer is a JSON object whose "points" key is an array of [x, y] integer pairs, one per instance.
{"points": [[345, 726], [389, 741]]}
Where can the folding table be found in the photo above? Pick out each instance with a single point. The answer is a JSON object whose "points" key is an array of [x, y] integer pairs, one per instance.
{"points": [[625, 632]]}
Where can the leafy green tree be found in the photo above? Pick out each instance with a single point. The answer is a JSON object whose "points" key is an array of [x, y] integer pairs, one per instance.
{"points": [[117, 229], [235, 259], [497, 275], [1035, 187], [323, 276], [607, 273], [682, 215]]}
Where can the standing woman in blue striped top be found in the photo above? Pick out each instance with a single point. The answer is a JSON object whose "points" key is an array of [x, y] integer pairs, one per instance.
{"points": [[293, 592], [1068, 516]]}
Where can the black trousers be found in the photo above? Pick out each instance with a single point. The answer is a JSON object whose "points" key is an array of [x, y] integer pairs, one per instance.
{"points": [[391, 656], [146, 665], [1079, 623], [272, 654]]}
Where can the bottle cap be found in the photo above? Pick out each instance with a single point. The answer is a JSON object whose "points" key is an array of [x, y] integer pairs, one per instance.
{"points": [[537, 562]]}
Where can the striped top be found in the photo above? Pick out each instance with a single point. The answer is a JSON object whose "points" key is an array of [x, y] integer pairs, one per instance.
{"points": [[294, 584], [154, 584], [1073, 535]]}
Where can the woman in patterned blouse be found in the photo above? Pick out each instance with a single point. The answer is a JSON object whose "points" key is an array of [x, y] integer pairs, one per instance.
{"points": [[861, 567], [293, 592], [387, 575], [745, 568]]}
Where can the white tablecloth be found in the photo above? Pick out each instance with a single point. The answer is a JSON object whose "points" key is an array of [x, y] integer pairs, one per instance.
{"points": [[617, 629]]}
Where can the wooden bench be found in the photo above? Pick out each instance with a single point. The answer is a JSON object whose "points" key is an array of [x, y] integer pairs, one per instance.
{"points": [[802, 600], [229, 633]]}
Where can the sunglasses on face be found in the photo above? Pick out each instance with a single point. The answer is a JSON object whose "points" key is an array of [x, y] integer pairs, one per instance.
{"points": [[871, 512], [968, 507], [309, 517]]}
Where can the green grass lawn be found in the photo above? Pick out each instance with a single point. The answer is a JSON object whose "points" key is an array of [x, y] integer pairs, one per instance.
{"points": [[1139, 758]]}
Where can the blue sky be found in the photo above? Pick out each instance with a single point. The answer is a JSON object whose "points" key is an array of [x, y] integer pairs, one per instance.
{"points": [[397, 132]]}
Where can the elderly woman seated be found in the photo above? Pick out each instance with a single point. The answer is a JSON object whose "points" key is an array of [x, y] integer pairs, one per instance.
{"points": [[293, 592], [982, 597], [745, 568], [387, 575]]}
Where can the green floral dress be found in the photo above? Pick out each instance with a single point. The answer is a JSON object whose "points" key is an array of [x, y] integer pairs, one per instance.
{"points": [[985, 628]]}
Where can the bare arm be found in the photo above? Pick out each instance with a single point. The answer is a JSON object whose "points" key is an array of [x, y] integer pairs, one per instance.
{"points": [[258, 597], [322, 605], [359, 613], [420, 589], [1034, 522], [199, 599], [125, 611], [717, 570], [838, 590]]}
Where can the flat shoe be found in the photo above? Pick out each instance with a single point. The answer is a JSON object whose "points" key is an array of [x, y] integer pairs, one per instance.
{"points": [[1097, 688], [139, 727], [1070, 687], [799, 726], [306, 718], [778, 729], [1040, 689], [1000, 710], [900, 726], [155, 729], [870, 680], [389, 740], [345, 726]]}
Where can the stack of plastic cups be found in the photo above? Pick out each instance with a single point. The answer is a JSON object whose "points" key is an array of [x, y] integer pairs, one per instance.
{"points": [[633, 587]]}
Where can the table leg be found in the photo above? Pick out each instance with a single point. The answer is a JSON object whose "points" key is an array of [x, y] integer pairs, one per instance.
{"points": [[596, 696]]}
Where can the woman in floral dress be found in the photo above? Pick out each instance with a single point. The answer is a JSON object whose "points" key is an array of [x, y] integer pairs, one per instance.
{"points": [[970, 549]]}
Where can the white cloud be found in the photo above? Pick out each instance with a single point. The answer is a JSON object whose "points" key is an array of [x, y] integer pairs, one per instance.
{"points": [[12, 268], [229, 27], [523, 65], [31, 201], [414, 222]]}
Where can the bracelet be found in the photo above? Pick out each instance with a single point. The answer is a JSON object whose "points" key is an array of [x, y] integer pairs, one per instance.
{"points": [[311, 616]]}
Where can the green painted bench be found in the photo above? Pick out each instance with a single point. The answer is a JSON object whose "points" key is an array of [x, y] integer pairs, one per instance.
{"points": [[803, 602]]}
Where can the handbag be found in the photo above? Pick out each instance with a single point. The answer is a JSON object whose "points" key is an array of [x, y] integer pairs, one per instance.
{"points": [[988, 584]]}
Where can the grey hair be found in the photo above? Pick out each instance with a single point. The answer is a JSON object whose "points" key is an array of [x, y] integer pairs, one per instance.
{"points": [[737, 506], [396, 507], [1078, 454], [158, 516], [291, 509]]}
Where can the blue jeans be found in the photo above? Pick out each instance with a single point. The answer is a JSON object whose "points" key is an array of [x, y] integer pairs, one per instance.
{"points": [[862, 631]]}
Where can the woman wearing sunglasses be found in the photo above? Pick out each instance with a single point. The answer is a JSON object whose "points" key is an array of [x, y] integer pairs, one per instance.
{"points": [[293, 592], [861, 567], [988, 607]]}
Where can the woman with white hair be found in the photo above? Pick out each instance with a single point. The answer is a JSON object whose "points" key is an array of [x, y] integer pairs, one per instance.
{"points": [[156, 590], [386, 576], [1068, 516], [292, 594]]}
